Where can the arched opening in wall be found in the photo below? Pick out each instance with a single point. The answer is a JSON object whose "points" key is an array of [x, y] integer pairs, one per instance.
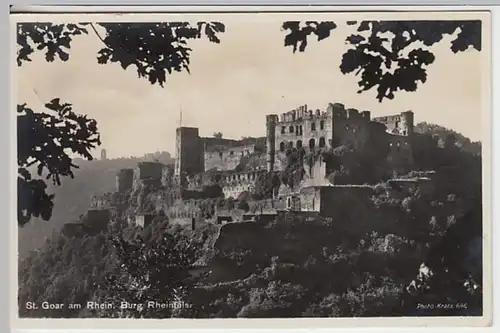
{"points": [[312, 143], [290, 144], [313, 126], [299, 144], [283, 129], [231, 153], [220, 155], [291, 129], [322, 125], [300, 129], [247, 152], [282, 146], [321, 142]]}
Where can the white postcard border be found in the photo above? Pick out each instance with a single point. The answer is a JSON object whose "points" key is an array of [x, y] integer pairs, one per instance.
{"points": [[296, 323]]}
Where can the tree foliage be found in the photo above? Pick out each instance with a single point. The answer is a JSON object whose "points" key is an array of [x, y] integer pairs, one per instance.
{"points": [[148, 271], [154, 49], [45, 140], [389, 56]]}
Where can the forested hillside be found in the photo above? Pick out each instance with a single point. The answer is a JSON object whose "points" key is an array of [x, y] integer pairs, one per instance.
{"points": [[426, 249], [73, 197]]}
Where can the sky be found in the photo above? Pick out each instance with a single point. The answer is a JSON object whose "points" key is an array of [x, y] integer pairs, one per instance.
{"points": [[234, 84]]}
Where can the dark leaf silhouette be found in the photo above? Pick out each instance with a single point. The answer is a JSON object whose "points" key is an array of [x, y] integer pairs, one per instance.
{"points": [[383, 53], [297, 37], [46, 140], [54, 39], [154, 49]]}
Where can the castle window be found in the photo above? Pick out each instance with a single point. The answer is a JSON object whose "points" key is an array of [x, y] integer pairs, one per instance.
{"points": [[322, 125], [346, 127], [231, 153], [282, 146], [220, 155], [299, 144], [390, 144], [297, 129], [291, 129], [247, 152], [404, 132], [300, 128], [283, 129], [312, 143], [321, 142], [313, 126], [290, 145]]}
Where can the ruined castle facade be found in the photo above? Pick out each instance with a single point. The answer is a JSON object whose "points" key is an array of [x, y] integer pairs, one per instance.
{"points": [[195, 155], [337, 126], [236, 164]]}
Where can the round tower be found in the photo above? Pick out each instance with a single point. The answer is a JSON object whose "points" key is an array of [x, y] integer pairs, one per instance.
{"points": [[271, 121], [407, 123]]}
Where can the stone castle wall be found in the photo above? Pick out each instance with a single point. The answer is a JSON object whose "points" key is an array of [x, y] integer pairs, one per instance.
{"points": [[149, 170], [387, 137], [226, 158], [97, 220], [124, 180], [266, 206], [233, 184], [335, 200], [188, 152], [302, 128], [401, 124]]}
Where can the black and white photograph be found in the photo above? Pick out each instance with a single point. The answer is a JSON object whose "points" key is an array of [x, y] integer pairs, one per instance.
{"points": [[260, 165]]}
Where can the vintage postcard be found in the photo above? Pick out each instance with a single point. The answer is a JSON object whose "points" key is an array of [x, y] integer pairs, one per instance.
{"points": [[218, 169]]}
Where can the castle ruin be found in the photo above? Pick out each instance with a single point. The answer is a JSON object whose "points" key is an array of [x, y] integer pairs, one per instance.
{"points": [[236, 165]]}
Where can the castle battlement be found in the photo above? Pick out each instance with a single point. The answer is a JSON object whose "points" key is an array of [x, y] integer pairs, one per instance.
{"points": [[301, 113], [301, 128], [401, 124]]}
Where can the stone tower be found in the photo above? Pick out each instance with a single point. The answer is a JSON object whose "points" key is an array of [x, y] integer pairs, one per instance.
{"points": [[189, 152], [407, 123], [124, 180], [103, 154], [271, 121]]}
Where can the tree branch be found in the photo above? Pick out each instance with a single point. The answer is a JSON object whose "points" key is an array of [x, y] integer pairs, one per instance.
{"points": [[98, 35]]}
